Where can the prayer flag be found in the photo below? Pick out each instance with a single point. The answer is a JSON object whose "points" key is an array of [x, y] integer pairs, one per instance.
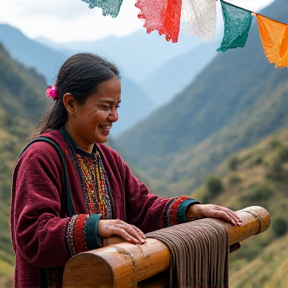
{"points": [[201, 18], [237, 23], [274, 37], [109, 7], [163, 16]]}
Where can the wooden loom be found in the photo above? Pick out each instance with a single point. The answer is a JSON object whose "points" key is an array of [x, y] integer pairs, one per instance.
{"points": [[125, 265]]}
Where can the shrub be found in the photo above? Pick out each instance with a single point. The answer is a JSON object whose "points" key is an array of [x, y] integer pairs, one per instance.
{"points": [[213, 187], [258, 160], [233, 163], [258, 193], [275, 143], [234, 180], [275, 169], [279, 225], [283, 153]]}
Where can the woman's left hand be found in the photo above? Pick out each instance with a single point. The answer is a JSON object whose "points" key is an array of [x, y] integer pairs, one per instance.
{"points": [[198, 211]]}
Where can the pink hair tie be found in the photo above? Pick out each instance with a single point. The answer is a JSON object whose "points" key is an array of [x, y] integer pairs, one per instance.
{"points": [[51, 92]]}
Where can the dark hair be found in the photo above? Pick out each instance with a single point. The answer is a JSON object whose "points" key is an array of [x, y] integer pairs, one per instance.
{"points": [[80, 76]]}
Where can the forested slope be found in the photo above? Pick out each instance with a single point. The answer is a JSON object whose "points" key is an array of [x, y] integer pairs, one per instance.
{"points": [[22, 101]]}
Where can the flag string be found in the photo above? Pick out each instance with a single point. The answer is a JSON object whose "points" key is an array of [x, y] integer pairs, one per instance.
{"points": [[165, 16]]}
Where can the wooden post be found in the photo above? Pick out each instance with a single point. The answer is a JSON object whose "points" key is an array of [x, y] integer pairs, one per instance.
{"points": [[123, 265]]}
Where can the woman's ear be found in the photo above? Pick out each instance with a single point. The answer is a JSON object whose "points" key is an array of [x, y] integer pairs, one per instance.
{"points": [[69, 103]]}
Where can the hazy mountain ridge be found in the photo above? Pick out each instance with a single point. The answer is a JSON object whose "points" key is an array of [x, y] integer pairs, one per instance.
{"points": [[172, 77], [138, 55], [31, 53], [233, 89]]}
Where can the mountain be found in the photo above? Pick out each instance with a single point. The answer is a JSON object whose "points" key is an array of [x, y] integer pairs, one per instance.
{"points": [[172, 77], [151, 61], [135, 106], [238, 99], [138, 55], [47, 61], [31, 53], [257, 175], [22, 103]]}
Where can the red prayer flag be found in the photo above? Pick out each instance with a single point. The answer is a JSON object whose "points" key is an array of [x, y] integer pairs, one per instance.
{"points": [[163, 16]]}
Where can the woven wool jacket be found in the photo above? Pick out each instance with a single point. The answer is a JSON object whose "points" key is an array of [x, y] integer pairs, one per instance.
{"points": [[50, 221]]}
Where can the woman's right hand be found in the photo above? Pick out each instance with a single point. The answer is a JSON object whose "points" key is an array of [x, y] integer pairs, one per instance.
{"points": [[130, 233]]}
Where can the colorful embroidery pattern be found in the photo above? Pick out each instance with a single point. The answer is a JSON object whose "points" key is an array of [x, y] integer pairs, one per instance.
{"points": [[95, 187], [81, 231]]}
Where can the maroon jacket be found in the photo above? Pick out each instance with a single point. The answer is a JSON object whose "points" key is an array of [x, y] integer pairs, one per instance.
{"points": [[49, 221]]}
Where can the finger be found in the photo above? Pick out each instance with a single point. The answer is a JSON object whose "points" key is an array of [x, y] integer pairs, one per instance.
{"points": [[140, 233], [130, 229], [124, 234], [230, 217], [235, 219]]}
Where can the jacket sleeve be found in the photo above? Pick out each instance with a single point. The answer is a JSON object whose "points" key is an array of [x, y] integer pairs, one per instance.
{"points": [[148, 211], [44, 236]]}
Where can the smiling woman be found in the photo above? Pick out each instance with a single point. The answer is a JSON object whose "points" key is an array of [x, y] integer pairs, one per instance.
{"points": [[70, 190]]}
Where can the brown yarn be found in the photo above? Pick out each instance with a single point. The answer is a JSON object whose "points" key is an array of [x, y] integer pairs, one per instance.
{"points": [[199, 253]]}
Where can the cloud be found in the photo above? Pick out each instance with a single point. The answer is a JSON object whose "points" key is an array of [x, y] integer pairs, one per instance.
{"points": [[253, 5], [67, 20], [72, 20]]}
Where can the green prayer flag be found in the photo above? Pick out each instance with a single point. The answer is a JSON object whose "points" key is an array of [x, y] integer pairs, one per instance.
{"points": [[237, 23], [109, 7]]}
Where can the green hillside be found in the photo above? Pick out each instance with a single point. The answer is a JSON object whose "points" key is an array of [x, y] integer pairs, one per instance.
{"points": [[256, 176], [236, 101], [21, 104]]}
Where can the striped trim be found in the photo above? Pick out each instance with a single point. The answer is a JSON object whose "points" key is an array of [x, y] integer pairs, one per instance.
{"points": [[70, 236], [79, 238], [82, 233], [91, 234], [171, 209]]}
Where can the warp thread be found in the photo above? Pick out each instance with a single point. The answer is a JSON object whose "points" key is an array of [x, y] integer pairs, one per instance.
{"points": [[198, 253]]}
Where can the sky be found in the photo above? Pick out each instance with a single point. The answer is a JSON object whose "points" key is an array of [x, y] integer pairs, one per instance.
{"points": [[63, 21]]}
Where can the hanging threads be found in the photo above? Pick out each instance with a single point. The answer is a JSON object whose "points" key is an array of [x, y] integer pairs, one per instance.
{"points": [[198, 253]]}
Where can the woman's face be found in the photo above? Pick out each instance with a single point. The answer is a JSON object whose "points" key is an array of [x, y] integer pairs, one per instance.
{"points": [[91, 122]]}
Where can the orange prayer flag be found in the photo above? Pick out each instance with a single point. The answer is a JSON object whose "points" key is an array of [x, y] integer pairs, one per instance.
{"points": [[274, 37]]}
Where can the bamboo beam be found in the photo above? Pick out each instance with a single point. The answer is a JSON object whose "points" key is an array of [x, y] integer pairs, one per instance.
{"points": [[122, 265]]}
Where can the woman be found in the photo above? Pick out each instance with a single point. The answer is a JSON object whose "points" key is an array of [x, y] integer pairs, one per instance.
{"points": [[70, 190]]}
